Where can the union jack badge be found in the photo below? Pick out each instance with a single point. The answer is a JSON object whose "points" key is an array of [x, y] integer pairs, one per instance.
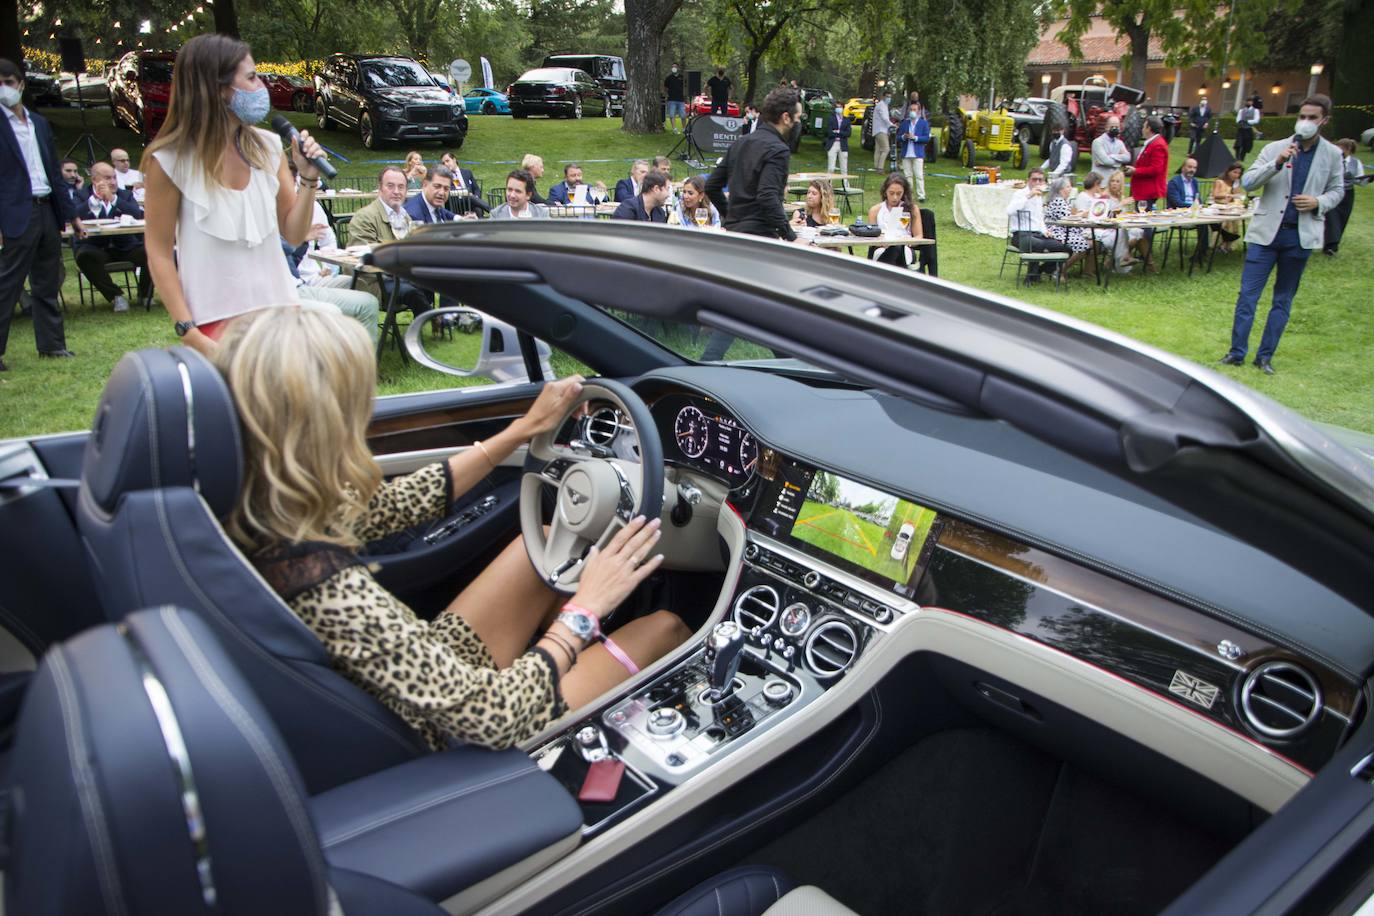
{"points": [[1194, 690]]}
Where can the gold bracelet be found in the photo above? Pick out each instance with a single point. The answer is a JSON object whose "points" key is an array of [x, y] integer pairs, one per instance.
{"points": [[490, 462]]}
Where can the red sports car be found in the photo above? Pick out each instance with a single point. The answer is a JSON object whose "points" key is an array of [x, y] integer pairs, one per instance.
{"points": [[289, 92], [702, 105]]}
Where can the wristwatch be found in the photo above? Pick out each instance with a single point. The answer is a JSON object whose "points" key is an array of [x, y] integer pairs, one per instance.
{"points": [[582, 624], [183, 327]]}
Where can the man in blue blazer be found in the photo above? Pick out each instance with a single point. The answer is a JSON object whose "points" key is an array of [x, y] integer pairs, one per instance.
{"points": [[33, 210], [431, 204], [837, 131], [647, 207], [463, 178], [1181, 193], [102, 198], [567, 192], [627, 188]]}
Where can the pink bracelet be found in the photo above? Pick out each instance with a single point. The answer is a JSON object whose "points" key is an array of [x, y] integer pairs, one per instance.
{"points": [[579, 609], [619, 655]]}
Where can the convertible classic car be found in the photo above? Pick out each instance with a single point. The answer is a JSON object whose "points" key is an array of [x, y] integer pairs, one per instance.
{"points": [[1119, 663]]}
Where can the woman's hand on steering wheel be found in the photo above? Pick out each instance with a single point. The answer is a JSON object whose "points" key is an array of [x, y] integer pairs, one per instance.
{"points": [[610, 575], [549, 409]]}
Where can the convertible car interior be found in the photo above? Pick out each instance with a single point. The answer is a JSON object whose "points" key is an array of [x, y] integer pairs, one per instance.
{"points": [[993, 612]]}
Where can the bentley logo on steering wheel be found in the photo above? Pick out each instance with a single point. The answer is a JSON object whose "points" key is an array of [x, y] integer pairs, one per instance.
{"points": [[576, 497]]}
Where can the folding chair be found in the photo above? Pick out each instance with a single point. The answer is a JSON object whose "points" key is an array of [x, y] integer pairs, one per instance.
{"points": [[845, 193], [1021, 244], [927, 260]]}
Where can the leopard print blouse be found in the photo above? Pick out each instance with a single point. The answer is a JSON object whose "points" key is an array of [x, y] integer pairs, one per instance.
{"points": [[438, 676]]}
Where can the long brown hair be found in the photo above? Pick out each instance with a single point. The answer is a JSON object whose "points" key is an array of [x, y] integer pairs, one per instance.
{"points": [[198, 122]]}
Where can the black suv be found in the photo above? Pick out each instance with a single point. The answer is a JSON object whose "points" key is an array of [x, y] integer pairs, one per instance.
{"points": [[387, 98], [608, 71]]}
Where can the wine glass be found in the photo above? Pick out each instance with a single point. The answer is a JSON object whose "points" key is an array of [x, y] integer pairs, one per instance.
{"points": [[905, 219], [832, 216], [702, 216]]}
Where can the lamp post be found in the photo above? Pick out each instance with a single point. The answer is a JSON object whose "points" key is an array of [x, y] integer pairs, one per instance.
{"points": [[1316, 71]]}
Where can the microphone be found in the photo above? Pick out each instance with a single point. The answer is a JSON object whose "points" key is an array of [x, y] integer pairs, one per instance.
{"points": [[289, 134]]}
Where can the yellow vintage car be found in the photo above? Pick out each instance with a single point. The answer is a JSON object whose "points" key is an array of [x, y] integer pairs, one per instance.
{"points": [[855, 109]]}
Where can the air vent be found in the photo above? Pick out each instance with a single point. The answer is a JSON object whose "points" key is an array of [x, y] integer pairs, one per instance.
{"points": [[831, 648], [603, 426], [1280, 700], [757, 607]]}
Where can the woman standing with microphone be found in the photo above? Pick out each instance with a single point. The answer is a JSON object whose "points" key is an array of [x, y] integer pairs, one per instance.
{"points": [[220, 192]]}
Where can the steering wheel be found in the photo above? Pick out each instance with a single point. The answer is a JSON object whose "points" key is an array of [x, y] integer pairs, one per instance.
{"points": [[598, 494]]}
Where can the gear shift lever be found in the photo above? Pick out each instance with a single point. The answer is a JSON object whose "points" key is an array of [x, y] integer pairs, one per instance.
{"points": [[723, 649]]}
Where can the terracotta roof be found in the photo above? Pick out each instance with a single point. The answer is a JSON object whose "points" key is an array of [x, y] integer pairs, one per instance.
{"points": [[1050, 51]]}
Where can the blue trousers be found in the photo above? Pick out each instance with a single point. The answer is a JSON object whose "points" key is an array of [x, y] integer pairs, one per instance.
{"points": [[1285, 252]]}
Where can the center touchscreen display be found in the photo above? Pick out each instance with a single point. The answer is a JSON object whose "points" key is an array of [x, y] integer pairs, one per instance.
{"points": [[872, 534]]}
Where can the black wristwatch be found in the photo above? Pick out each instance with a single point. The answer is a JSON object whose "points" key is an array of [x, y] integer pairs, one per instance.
{"points": [[182, 327]]}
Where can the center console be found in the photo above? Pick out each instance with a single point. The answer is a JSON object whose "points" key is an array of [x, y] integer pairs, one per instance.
{"points": [[805, 608]]}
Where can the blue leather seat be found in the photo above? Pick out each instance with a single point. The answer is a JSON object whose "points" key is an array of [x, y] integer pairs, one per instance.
{"points": [[163, 465], [147, 779], [754, 890]]}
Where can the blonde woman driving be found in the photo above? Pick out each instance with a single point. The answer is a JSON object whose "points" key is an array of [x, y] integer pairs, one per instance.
{"points": [[302, 381]]}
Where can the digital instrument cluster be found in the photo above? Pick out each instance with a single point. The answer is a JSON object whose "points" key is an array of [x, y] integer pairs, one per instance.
{"points": [[703, 436]]}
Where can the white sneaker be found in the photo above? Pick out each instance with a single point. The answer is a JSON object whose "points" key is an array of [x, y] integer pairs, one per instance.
{"points": [[121, 304]]}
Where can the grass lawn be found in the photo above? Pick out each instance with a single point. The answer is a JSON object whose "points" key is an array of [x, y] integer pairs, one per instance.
{"points": [[1325, 365]]}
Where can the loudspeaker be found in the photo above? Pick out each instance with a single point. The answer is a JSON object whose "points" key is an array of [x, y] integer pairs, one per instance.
{"points": [[73, 55], [693, 84], [1213, 156]]}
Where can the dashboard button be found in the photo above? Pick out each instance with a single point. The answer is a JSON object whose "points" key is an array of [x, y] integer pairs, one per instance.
{"points": [[883, 615], [751, 552]]}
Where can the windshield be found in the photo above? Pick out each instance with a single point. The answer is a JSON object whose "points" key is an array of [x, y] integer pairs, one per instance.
{"points": [[702, 344], [548, 74], [156, 71], [384, 73]]}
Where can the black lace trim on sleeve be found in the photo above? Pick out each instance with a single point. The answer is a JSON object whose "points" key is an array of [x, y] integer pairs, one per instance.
{"points": [[292, 569], [449, 496], [559, 705]]}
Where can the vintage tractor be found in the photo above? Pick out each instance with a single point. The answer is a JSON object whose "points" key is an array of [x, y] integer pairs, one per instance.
{"points": [[993, 130], [1084, 110]]}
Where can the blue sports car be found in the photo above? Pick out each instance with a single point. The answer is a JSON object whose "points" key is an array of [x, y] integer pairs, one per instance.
{"points": [[486, 101]]}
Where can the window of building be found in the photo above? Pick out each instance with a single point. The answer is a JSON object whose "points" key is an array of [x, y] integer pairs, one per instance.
{"points": [[1165, 94], [1294, 102]]}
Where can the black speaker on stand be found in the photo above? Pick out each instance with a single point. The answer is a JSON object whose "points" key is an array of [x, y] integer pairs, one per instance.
{"points": [[74, 62]]}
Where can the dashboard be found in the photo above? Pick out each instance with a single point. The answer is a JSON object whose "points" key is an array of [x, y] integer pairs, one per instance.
{"points": [[838, 544]]}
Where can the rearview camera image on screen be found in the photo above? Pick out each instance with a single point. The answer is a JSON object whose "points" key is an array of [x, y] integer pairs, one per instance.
{"points": [[871, 529]]}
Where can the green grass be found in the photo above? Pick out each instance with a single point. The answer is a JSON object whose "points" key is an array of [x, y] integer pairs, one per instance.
{"points": [[1325, 365], [840, 531]]}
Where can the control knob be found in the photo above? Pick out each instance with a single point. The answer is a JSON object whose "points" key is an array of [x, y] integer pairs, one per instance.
{"points": [[811, 579], [883, 615], [751, 552], [665, 722], [777, 692]]}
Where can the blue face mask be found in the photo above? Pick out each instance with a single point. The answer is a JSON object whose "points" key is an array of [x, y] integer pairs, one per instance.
{"points": [[250, 106]]}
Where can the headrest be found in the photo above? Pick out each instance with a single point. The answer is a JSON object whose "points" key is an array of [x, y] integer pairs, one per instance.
{"points": [[165, 419], [146, 778]]}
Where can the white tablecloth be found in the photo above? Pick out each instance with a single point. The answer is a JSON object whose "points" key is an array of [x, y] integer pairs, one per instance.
{"points": [[982, 208]]}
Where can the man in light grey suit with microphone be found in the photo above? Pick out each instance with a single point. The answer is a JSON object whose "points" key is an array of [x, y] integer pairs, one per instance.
{"points": [[1300, 178]]}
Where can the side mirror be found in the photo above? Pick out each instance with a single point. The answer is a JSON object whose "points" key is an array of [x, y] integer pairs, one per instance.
{"points": [[466, 343]]}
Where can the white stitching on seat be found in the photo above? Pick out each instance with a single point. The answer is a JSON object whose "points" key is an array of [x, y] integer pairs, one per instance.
{"points": [[430, 803], [777, 889], [93, 813], [720, 911], [173, 549], [262, 749]]}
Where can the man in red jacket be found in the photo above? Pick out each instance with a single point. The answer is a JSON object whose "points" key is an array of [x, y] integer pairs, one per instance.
{"points": [[1148, 175]]}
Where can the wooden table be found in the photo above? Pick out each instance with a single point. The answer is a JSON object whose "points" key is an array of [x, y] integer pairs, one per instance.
{"points": [[350, 262], [818, 176], [850, 242], [1162, 220], [106, 228]]}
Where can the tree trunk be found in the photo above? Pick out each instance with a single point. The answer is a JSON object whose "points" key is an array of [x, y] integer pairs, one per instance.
{"points": [[645, 21], [751, 76], [1139, 35], [10, 46], [226, 18]]}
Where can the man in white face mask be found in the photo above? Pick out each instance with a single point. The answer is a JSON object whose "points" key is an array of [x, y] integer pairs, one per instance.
{"points": [[33, 210], [1300, 180]]}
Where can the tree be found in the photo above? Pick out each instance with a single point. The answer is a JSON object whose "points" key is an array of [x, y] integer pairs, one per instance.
{"points": [[226, 18], [645, 22], [416, 19], [760, 25], [1188, 31], [10, 47]]}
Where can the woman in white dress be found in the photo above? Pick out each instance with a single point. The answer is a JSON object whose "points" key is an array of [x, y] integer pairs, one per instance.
{"points": [[894, 203], [1126, 240], [220, 196]]}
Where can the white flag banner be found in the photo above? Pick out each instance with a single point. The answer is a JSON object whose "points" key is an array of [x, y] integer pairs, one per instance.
{"points": [[487, 81]]}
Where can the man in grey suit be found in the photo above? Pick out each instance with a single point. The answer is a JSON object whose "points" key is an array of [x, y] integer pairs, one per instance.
{"points": [[1301, 180], [519, 190], [1109, 150]]}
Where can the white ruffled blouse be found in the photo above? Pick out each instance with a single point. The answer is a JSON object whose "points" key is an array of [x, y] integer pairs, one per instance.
{"points": [[229, 253]]}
